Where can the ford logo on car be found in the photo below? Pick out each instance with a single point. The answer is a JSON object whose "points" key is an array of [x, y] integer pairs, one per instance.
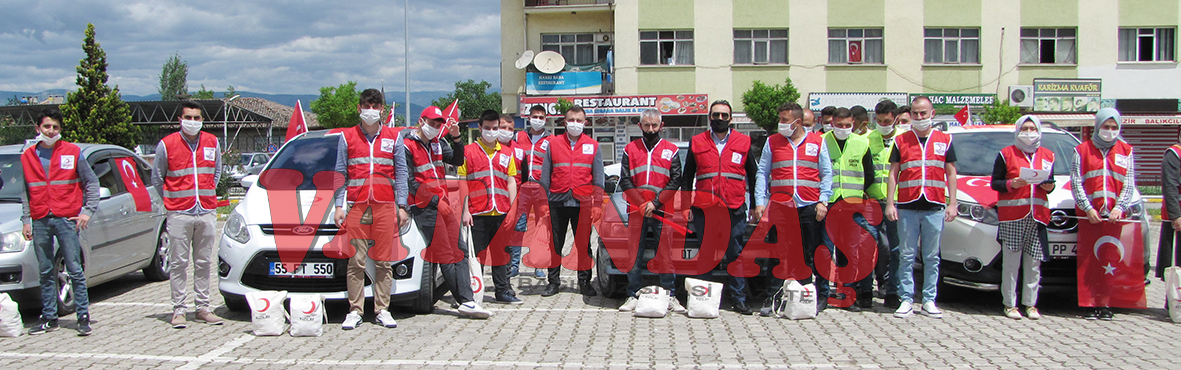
{"points": [[303, 230]]}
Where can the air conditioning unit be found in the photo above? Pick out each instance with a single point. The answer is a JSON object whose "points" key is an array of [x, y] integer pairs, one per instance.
{"points": [[604, 38], [1021, 95]]}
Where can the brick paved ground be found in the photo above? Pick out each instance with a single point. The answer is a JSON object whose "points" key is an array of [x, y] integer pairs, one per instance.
{"points": [[569, 331]]}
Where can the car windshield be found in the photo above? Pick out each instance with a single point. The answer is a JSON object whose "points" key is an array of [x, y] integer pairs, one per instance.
{"points": [[976, 151], [308, 156], [14, 178], [246, 159]]}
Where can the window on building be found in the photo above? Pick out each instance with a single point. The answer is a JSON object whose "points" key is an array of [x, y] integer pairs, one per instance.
{"points": [[951, 46], [578, 48], [1147, 44], [855, 45], [666, 47], [1048, 46], [760, 46]]}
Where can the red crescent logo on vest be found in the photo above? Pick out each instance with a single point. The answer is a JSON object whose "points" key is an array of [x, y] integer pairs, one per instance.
{"points": [[267, 307], [977, 188], [313, 309]]}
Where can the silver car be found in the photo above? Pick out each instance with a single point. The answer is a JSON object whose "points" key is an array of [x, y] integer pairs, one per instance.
{"points": [[118, 241]]}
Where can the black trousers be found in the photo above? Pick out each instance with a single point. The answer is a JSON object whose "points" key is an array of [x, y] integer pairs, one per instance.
{"points": [[483, 230], [562, 219], [456, 276]]}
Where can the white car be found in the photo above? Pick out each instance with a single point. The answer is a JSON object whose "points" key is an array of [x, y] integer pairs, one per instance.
{"points": [[248, 259], [970, 255]]}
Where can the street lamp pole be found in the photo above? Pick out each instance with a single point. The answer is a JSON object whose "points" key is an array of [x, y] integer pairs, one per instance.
{"points": [[225, 124]]}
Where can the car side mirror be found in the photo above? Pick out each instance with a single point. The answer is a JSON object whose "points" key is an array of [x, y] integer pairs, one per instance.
{"points": [[248, 181], [104, 193]]}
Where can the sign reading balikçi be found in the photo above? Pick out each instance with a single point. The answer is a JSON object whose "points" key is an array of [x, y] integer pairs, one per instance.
{"points": [[624, 105]]}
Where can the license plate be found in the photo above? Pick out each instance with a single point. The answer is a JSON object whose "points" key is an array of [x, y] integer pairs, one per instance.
{"points": [[1063, 250], [303, 270], [689, 253]]}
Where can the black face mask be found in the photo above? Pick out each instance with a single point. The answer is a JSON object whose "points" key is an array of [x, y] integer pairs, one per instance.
{"points": [[651, 137], [719, 125]]}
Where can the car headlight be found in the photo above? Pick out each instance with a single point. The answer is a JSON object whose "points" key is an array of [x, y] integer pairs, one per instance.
{"points": [[12, 242], [1136, 211], [236, 228], [977, 213]]}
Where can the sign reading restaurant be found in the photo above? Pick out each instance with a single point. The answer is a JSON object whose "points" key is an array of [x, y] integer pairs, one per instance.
{"points": [[1067, 95], [624, 105]]}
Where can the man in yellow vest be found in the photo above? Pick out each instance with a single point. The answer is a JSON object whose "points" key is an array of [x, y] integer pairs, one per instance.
{"points": [[892, 120], [852, 173]]}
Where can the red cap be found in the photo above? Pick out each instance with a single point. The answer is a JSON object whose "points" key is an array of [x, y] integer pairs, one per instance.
{"points": [[432, 113]]}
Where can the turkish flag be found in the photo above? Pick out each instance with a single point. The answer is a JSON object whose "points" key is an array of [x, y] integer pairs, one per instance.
{"points": [[963, 115], [297, 125], [855, 51], [135, 185], [451, 113], [1110, 265], [979, 188]]}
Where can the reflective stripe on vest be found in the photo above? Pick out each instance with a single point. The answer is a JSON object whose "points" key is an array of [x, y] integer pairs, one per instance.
{"points": [[59, 194], [487, 180], [848, 171], [190, 178], [1103, 174], [795, 169], [571, 163], [922, 167], [723, 174], [650, 169], [370, 165], [880, 149], [427, 170], [1016, 203], [531, 155]]}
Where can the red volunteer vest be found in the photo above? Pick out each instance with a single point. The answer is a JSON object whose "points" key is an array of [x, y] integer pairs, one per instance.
{"points": [[427, 169], [190, 175], [722, 174], [1103, 176], [1017, 203], [530, 154], [370, 166], [1164, 211], [922, 167], [571, 164], [487, 179], [650, 169], [796, 170], [60, 193]]}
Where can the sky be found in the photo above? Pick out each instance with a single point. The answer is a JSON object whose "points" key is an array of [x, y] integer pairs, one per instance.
{"points": [[274, 47]]}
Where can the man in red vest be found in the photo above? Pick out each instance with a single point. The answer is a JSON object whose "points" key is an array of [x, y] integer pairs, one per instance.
{"points": [[489, 192], [1170, 209], [649, 177], [572, 160], [421, 191], [366, 157], [530, 148], [507, 139], [922, 171], [719, 160], [60, 196], [186, 171]]}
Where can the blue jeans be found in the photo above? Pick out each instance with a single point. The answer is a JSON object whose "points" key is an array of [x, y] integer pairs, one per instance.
{"points": [[915, 227], [514, 252], [634, 278], [66, 232]]}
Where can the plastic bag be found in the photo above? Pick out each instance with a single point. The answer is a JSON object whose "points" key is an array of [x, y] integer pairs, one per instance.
{"points": [[705, 298], [267, 313], [11, 324], [307, 315]]}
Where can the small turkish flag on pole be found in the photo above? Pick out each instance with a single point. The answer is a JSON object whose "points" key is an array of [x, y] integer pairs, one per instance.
{"points": [[134, 184], [1110, 265], [963, 115], [451, 113], [297, 125]]}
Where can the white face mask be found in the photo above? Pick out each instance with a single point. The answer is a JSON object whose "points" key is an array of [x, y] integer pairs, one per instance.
{"points": [[536, 124], [1108, 135], [505, 136], [490, 136], [430, 132], [885, 130], [921, 125], [786, 130], [842, 133], [190, 127], [574, 128], [370, 116], [827, 127], [49, 140], [902, 127], [1029, 137]]}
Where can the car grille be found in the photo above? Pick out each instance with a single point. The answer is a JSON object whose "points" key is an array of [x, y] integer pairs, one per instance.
{"points": [[257, 276], [1062, 220], [285, 229]]}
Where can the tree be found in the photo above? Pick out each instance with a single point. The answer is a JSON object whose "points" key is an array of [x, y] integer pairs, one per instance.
{"points": [[174, 78], [230, 92], [1000, 113], [203, 93], [96, 113], [337, 106], [762, 103], [472, 99], [563, 105]]}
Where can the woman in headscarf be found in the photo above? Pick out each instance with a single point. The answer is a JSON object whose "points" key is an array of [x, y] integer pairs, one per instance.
{"points": [[1102, 180], [1022, 207]]}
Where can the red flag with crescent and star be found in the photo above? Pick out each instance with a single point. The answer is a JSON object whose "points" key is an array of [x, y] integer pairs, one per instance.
{"points": [[297, 125], [1110, 265], [134, 184], [963, 115], [451, 113]]}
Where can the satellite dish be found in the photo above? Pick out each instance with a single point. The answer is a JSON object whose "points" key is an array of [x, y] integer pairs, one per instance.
{"points": [[549, 62], [525, 59]]}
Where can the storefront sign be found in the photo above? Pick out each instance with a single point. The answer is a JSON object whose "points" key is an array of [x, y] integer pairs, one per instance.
{"points": [[1067, 95], [1151, 120], [625, 105], [956, 101], [817, 101], [565, 83]]}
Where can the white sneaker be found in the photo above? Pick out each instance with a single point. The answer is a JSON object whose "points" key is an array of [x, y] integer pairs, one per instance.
{"points": [[471, 310], [675, 306], [904, 310], [1013, 313], [629, 305], [351, 321], [1032, 314], [385, 319], [930, 310]]}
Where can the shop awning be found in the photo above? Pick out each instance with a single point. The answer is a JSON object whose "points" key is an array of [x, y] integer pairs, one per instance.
{"points": [[1069, 120]]}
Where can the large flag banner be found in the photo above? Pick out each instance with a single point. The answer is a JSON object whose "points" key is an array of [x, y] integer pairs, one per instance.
{"points": [[297, 125], [134, 184], [1110, 265]]}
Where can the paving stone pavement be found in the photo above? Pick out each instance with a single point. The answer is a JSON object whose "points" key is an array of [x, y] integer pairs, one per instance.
{"points": [[570, 331]]}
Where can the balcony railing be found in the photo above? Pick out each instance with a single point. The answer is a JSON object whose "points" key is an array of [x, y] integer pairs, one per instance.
{"points": [[542, 3]]}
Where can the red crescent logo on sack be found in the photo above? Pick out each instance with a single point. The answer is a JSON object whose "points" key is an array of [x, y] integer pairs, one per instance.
{"points": [[267, 307], [477, 284], [313, 309]]}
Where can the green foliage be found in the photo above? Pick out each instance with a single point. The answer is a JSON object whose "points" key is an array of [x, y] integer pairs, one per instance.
{"points": [[563, 105], [203, 93], [230, 91], [16, 134], [762, 102], [1000, 113], [96, 113], [14, 100], [174, 79], [337, 106], [472, 97]]}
